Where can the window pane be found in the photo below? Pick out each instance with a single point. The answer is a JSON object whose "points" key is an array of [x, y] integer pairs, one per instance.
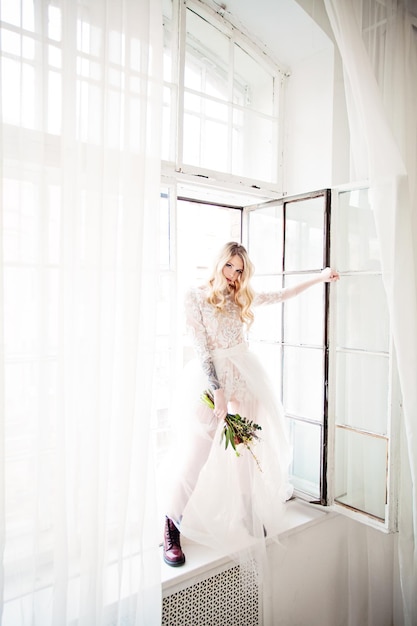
{"points": [[304, 315], [268, 319], [361, 471], [266, 239], [241, 136], [215, 110], [300, 321], [304, 234], [303, 382], [362, 383], [205, 107], [362, 313], [270, 357], [357, 243], [252, 84], [254, 143], [207, 57], [214, 152], [306, 442], [201, 231], [192, 139], [207, 148]]}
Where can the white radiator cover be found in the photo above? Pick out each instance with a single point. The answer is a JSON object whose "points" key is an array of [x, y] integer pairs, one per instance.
{"points": [[228, 598]]}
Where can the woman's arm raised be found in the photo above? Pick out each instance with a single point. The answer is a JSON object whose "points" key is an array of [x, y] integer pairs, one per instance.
{"points": [[328, 275]]}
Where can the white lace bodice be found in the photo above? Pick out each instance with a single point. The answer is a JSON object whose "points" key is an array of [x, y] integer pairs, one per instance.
{"points": [[211, 329]]}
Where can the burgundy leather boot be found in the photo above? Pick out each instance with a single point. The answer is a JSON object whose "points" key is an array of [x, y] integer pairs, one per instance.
{"points": [[173, 554]]}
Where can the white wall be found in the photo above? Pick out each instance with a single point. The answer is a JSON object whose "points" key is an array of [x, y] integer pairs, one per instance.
{"points": [[335, 573]]}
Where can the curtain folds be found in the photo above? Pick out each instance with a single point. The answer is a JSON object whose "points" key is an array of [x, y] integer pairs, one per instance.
{"points": [[80, 179], [378, 46]]}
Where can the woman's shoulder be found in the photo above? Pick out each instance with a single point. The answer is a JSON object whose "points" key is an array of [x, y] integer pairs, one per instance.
{"points": [[197, 289], [197, 292]]}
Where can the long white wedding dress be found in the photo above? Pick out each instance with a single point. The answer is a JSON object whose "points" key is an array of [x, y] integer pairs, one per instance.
{"points": [[217, 498]]}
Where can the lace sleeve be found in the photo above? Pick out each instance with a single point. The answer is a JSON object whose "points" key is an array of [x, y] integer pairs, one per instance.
{"points": [[197, 331], [268, 297]]}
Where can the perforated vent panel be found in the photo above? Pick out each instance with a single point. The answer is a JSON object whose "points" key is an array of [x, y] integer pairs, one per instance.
{"points": [[230, 598]]}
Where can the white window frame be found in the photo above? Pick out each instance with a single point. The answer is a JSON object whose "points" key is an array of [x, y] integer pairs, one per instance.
{"points": [[390, 524], [211, 12]]}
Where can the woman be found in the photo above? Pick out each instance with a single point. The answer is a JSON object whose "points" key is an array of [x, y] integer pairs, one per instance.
{"points": [[219, 498]]}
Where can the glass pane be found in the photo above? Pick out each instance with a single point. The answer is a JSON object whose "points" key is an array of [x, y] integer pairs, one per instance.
{"points": [[266, 239], [205, 107], [192, 139], [361, 471], [254, 144], [201, 231], [214, 136], [304, 234], [362, 383], [192, 103], [215, 111], [305, 471], [214, 149], [253, 86], [267, 324], [206, 58], [270, 356], [304, 315], [205, 133], [357, 242], [362, 313], [303, 382]]}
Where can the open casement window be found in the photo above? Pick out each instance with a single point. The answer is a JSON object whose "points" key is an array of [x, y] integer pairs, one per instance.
{"points": [[329, 349], [364, 386], [288, 240]]}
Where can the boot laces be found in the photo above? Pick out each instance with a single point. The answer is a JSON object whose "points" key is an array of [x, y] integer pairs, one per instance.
{"points": [[172, 534]]}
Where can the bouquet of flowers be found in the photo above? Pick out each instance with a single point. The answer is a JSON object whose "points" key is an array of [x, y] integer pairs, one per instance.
{"points": [[236, 429]]}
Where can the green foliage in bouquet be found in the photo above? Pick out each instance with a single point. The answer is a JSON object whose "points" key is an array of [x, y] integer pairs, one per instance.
{"points": [[236, 429]]}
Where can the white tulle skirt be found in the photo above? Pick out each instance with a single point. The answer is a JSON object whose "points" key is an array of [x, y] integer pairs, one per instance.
{"points": [[216, 497]]}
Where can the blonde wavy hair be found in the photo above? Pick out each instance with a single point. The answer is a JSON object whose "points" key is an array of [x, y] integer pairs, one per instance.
{"points": [[242, 291]]}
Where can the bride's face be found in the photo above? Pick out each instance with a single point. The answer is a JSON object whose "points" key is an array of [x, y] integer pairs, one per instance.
{"points": [[233, 270]]}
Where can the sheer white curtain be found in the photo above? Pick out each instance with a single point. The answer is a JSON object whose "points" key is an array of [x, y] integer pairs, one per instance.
{"points": [[378, 45], [79, 156]]}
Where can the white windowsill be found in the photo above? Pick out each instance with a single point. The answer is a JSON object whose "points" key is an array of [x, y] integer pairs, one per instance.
{"points": [[200, 560]]}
